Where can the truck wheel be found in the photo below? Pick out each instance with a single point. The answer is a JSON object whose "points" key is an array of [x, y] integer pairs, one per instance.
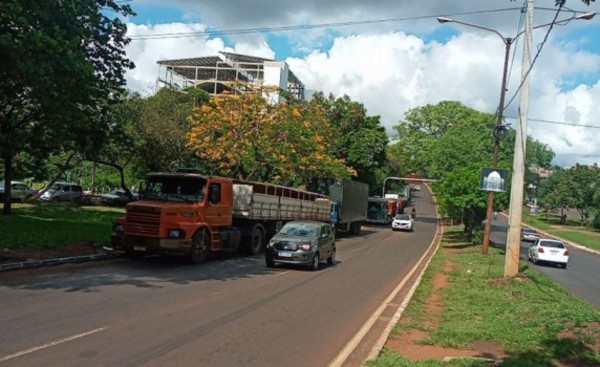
{"points": [[200, 247], [255, 242]]}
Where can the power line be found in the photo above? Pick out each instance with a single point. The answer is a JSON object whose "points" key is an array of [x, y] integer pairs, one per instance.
{"points": [[558, 122], [306, 26]]}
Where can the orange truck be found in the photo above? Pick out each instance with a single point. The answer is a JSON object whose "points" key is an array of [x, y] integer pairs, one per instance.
{"points": [[189, 214]]}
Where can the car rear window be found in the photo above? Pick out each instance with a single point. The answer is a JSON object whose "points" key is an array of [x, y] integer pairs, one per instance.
{"points": [[553, 244], [529, 231]]}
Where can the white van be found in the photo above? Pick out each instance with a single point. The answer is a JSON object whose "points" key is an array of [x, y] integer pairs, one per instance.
{"points": [[63, 191]]}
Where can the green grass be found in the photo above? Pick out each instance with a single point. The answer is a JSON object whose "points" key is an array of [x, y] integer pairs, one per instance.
{"points": [[50, 225], [570, 232], [529, 316]]}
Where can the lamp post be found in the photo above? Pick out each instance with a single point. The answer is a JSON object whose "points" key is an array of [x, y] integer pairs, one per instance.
{"points": [[508, 41]]}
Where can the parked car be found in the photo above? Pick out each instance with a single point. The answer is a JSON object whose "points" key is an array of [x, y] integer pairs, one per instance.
{"points": [[63, 191], [117, 197], [302, 242], [19, 191], [402, 222], [529, 235], [548, 250]]}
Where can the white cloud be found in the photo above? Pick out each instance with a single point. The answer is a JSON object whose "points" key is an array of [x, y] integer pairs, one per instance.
{"points": [[391, 72]]}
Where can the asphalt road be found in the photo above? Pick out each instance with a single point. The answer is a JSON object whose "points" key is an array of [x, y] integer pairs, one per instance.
{"points": [[231, 311], [580, 277]]}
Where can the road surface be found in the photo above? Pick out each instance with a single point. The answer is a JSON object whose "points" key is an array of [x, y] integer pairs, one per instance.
{"points": [[231, 311], [580, 277]]}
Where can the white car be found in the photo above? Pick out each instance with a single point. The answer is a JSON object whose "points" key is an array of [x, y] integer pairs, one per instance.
{"points": [[402, 222], [19, 191], [548, 250], [529, 235]]}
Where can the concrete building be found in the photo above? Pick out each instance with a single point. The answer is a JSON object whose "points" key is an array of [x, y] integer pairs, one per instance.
{"points": [[226, 71]]}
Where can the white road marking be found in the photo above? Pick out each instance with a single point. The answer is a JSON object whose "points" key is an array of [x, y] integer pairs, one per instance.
{"points": [[282, 273], [51, 344], [359, 248]]}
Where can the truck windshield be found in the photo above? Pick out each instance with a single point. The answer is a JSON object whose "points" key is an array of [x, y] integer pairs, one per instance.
{"points": [[173, 188]]}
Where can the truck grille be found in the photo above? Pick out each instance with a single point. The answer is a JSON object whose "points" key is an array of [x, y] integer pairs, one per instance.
{"points": [[142, 223]]}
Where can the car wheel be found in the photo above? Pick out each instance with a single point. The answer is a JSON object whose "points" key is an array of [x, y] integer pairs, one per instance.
{"points": [[55, 198], [315, 263], [200, 249], [269, 261], [331, 259], [564, 266]]}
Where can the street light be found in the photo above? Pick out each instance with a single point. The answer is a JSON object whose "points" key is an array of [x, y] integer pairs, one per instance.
{"points": [[508, 41]]}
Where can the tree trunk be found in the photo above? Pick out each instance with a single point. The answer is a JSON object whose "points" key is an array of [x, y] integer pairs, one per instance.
{"points": [[8, 175]]}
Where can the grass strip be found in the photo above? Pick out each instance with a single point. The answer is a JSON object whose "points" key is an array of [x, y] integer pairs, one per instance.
{"points": [[52, 225], [536, 321]]}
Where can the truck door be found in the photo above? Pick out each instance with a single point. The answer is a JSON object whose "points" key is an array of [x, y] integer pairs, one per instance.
{"points": [[217, 210]]}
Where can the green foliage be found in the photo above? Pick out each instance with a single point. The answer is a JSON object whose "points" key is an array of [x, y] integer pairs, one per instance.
{"points": [[357, 139], [61, 65]]}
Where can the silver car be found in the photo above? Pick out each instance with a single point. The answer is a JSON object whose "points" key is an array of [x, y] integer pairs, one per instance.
{"points": [[302, 242], [63, 191], [19, 191]]}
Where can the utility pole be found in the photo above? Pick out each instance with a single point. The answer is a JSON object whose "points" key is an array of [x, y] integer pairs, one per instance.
{"points": [[513, 242]]}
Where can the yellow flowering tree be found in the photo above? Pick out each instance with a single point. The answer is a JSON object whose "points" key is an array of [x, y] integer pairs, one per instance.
{"points": [[247, 137]]}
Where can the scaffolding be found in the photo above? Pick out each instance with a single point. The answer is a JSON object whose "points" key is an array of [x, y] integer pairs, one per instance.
{"points": [[222, 73]]}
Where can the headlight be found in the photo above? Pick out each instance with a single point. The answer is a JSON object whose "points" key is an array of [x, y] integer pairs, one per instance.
{"points": [[271, 243], [118, 228], [176, 233], [304, 246]]}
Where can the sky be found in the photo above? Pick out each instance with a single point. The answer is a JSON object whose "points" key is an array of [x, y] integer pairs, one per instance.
{"points": [[393, 56]]}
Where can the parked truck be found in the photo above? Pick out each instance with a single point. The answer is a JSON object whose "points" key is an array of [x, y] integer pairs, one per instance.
{"points": [[349, 205], [190, 214], [381, 210]]}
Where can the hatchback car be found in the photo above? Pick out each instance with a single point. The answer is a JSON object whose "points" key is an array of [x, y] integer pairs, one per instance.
{"points": [[550, 251], [117, 197], [402, 222], [529, 235], [19, 191], [303, 243]]}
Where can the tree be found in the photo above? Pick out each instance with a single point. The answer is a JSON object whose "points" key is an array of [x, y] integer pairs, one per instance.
{"points": [[555, 193], [61, 65], [461, 200], [162, 127], [357, 139], [246, 137]]}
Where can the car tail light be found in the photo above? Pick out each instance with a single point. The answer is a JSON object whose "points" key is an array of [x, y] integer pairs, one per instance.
{"points": [[566, 253], [540, 250]]}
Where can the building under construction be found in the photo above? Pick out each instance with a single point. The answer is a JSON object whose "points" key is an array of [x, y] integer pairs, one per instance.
{"points": [[226, 71]]}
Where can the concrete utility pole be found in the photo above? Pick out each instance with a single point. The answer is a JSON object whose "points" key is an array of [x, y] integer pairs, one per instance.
{"points": [[513, 242]]}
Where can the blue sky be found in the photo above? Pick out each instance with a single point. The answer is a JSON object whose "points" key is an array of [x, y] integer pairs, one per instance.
{"points": [[392, 67]]}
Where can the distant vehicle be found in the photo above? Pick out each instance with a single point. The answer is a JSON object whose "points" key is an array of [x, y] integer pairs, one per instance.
{"points": [[350, 200], [402, 222], [19, 191], [550, 251], [302, 242], [63, 191], [117, 197], [529, 235]]}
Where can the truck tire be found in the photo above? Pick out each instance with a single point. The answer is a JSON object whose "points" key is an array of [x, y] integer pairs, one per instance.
{"points": [[200, 247], [253, 244]]}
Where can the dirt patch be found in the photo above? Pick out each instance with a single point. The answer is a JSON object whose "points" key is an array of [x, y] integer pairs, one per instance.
{"points": [[410, 344], [8, 255]]}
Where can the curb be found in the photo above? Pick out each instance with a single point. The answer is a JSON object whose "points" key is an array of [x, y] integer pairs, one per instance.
{"points": [[52, 262]]}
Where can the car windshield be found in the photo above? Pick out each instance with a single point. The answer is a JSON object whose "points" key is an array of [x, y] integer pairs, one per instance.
{"points": [[402, 217], [175, 188], [299, 229], [553, 244]]}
